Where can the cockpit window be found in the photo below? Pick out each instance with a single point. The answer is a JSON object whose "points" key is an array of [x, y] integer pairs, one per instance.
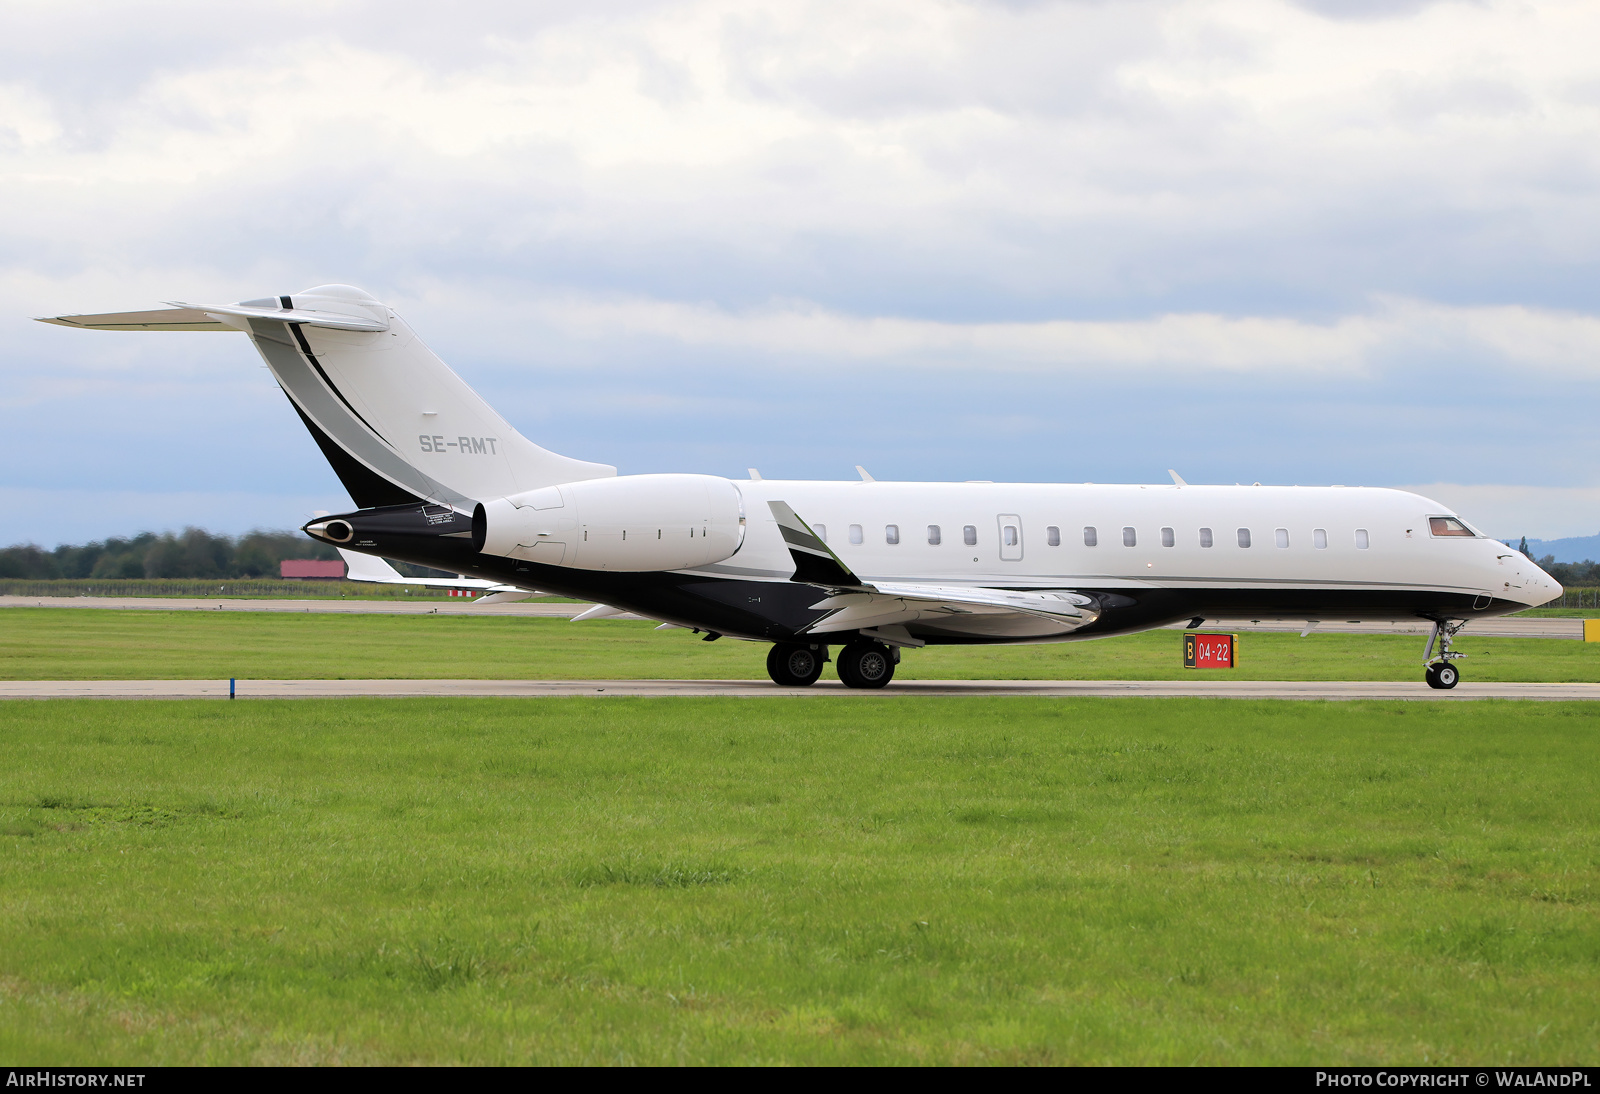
{"points": [[1447, 526]]}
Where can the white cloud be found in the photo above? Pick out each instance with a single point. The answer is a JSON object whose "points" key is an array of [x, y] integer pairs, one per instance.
{"points": [[1350, 245], [1388, 336]]}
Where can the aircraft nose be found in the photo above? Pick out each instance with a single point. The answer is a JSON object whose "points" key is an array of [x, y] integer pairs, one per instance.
{"points": [[1517, 578], [1539, 586]]}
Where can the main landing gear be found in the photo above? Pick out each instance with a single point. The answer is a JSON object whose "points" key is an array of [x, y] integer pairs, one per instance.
{"points": [[1441, 673], [861, 664], [795, 666], [867, 665]]}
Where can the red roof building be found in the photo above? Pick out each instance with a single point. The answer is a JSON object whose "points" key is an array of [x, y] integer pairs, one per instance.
{"points": [[312, 568]]}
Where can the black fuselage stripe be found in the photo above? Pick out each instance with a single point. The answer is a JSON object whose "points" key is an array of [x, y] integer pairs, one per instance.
{"points": [[305, 348]]}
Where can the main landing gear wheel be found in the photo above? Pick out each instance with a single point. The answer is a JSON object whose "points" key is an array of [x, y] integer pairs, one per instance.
{"points": [[1442, 676], [866, 665], [794, 666]]}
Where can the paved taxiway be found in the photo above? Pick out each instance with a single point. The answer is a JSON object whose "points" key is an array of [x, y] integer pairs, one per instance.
{"points": [[753, 689], [1498, 628]]}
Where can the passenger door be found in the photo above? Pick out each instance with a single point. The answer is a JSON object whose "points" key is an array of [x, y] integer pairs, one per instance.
{"points": [[1010, 537]]}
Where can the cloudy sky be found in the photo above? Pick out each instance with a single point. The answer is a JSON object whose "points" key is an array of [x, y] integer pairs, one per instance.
{"points": [[1323, 241]]}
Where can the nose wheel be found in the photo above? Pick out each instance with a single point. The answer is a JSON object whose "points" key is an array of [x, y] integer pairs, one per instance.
{"points": [[1441, 672], [793, 666]]}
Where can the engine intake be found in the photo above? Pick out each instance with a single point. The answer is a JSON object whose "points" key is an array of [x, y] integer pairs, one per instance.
{"points": [[629, 523]]}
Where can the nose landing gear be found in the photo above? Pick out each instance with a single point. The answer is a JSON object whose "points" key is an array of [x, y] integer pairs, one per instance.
{"points": [[1440, 673]]}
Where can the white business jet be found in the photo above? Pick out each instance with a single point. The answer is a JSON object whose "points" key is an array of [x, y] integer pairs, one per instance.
{"points": [[867, 568]]}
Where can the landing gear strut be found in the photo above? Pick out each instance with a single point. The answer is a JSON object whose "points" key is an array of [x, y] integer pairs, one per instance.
{"points": [[793, 666], [866, 665], [1440, 672]]}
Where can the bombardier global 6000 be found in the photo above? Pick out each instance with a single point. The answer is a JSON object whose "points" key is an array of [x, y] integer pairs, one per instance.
{"points": [[864, 569]]}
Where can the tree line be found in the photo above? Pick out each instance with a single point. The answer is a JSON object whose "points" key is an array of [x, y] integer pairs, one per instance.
{"points": [[192, 553], [1574, 575]]}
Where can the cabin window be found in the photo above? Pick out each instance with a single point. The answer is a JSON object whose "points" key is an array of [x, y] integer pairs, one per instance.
{"points": [[1052, 536], [855, 533], [1090, 538], [1244, 537], [1447, 526], [821, 530], [1130, 538], [1281, 536], [933, 535], [1205, 537], [1319, 538], [891, 533], [1168, 538], [1008, 535], [1361, 539], [969, 535]]}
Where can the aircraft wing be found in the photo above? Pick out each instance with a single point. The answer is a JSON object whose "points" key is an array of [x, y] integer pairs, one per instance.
{"points": [[854, 604], [360, 567], [955, 611]]}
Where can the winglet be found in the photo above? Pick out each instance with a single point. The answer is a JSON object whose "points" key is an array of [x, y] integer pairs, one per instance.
{"points": [[814, 564], [1177, 480]]}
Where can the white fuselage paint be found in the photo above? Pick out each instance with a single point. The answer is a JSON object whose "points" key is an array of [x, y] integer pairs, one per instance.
{"points": [[1401, 552]]}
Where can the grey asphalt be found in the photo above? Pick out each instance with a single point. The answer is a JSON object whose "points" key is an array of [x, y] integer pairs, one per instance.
{"points": [[1499, 628], [1060, 689]]}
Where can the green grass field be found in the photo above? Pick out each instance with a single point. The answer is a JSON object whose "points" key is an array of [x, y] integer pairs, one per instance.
{"points": [[799, 881], [61, 644]]}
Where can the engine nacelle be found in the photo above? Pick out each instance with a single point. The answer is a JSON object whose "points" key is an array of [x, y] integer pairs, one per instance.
{"points": [[633, 523]]}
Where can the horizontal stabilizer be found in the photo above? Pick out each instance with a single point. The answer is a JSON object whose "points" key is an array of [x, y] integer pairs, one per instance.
{"points": [[183, 316], [363, 567], [599, 611], [814, 563], [360, 567], [505, 597], [159, 319], [304, 316]]}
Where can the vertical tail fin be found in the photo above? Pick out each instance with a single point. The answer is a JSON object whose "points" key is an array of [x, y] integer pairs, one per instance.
{"points": [[396, 411], [396, 424]]}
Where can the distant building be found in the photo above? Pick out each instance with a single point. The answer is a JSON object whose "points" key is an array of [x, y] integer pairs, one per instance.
{"points": [[315, 568]]}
